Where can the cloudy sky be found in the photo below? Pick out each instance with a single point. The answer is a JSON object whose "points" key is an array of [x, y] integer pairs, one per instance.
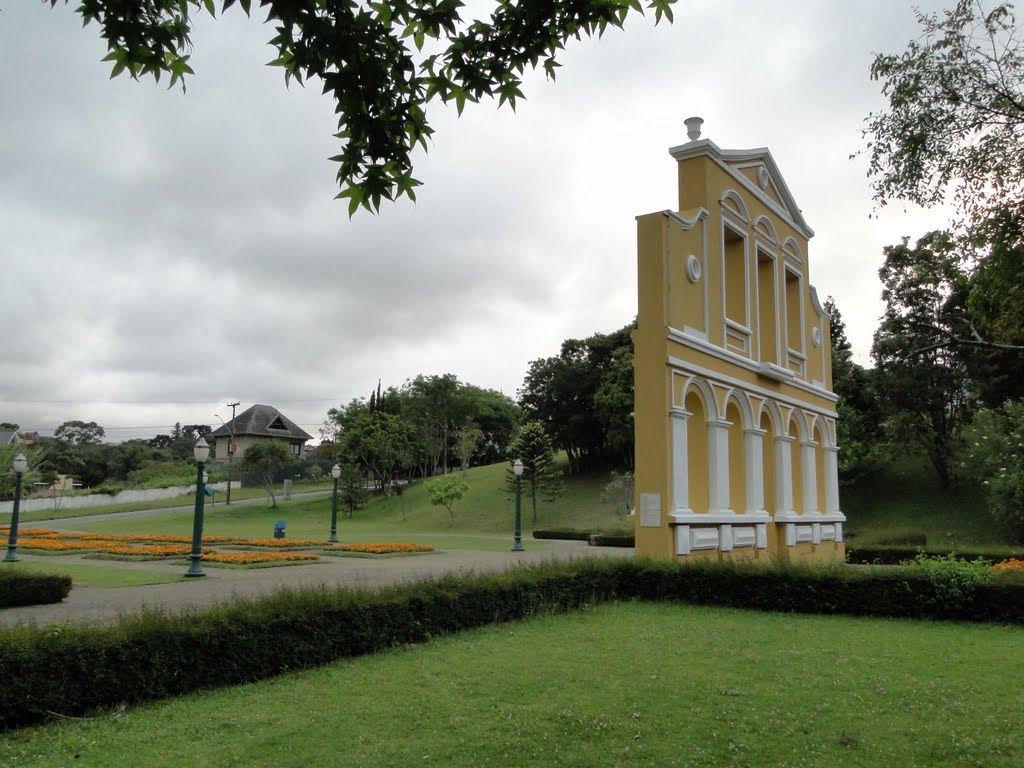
{"points": [[162, 254]]}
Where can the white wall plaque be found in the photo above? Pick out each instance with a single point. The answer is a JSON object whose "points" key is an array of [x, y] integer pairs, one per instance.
{"points": [[650, 510]]}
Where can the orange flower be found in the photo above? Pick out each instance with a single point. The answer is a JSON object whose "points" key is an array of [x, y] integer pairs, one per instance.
{"points": [[379, 549], [1013, 565], [249, 558], [280, 543]]}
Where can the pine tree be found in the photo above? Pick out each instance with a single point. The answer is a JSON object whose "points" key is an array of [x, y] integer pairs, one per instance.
{"points": [[541, 480]]}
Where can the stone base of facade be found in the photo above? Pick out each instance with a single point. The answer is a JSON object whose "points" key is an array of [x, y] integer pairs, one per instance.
{"points": [[759, 538]]}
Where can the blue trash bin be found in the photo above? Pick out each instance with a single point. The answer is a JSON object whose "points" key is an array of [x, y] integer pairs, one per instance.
{"points": [[279, 529]]}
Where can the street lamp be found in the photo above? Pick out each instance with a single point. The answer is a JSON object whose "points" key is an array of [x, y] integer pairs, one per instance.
{"points": [[20, 464], [517, 543], [335, 473], [201, 451]]}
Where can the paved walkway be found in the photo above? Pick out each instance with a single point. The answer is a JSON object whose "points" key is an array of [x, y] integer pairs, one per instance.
{"points": [[99, 604]]}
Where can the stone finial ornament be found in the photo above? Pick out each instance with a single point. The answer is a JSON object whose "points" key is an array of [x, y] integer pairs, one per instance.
{"points": [[693, 125]]}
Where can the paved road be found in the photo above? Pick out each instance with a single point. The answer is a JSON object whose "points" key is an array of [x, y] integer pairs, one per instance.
{"points": [[99, 604]]}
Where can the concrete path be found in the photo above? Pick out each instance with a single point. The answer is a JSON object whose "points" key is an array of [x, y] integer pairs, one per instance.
{"points": [[99, 604]]}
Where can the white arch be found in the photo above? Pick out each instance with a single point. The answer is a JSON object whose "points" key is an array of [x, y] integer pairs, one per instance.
{"points": [[706, 394], [764, 227], [743, 402], [792, 249], [774, 415], [732, 202]]}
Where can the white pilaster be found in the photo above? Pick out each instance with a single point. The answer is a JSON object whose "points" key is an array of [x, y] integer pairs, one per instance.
{"points": [[718, 467], [680, 462], [831, 480], [753, 449], [783, 474], [809, 476]]}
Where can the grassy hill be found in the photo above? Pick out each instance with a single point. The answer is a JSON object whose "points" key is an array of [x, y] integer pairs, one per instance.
{"points": [[905, 499], [483, 518]]}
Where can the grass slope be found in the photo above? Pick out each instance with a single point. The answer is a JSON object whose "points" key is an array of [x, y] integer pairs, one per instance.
{"points": [[906, 495], [483, 518], [99, 576], [628, 684]]}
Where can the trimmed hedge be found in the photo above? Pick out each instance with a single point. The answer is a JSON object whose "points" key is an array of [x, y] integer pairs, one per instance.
{"points": [[894, 555], [22, 588], [602, 540], [70, 670], [565, 534]]}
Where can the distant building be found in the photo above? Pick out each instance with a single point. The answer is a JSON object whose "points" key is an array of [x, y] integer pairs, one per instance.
{"points": [[260, 422], [735, 418]]}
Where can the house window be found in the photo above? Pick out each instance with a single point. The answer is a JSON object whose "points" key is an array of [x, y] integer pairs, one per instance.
{"points": [[734, 263], [767, 308], [295, 449], [794, 324]]}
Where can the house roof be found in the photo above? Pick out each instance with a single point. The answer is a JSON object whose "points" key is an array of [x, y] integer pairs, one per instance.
{"points": [[262, 421]]}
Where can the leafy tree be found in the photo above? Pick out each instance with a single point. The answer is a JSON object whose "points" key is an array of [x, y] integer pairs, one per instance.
{"points": [[79, 432], [7, 477], [618, 493], [444, 491], [379, 441], [955, 112], [924, 387], [996, 459], [9, 426], [467, 440], [859, 426], [497, 416], [541, 479], [361, 53], [264, 461], [584, 398], [352, 493]]}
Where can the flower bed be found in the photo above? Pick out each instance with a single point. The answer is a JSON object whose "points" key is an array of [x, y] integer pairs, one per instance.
{"points": [[280, 543], [251, 558], [379, 549], [1012, 565]]}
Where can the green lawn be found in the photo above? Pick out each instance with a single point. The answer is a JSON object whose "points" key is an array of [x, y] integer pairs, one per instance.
{"points": [[183, 500], [631, 684], [98, 575], [483, 519], [906, 495]]}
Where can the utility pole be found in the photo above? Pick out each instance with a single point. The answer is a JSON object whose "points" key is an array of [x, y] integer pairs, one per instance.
{"points": [[231, 451]]}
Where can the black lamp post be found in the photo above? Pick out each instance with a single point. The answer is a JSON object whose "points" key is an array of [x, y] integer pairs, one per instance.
{"points": [[335, 473], [195, 566], [20, 464], [517, 542]]}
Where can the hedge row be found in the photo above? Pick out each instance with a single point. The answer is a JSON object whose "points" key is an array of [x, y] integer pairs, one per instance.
{"points": [[22, 588], [151, 655], [604, 540], [894, 555], [566, 534]]}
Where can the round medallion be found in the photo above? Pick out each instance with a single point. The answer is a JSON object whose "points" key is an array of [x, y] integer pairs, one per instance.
{"points": [[816, 336], [693, 268], [762, 176]]}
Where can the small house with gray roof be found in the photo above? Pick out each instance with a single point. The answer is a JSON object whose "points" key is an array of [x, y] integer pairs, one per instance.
{"points": [[260, 422]]}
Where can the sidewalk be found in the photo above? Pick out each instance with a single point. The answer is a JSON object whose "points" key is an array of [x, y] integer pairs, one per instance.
{"points": [[99, 605]]}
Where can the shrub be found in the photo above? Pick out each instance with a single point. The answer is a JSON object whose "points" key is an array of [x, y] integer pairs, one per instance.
{"points": [[20, 588], [67, 670], [566, 534], [996, 460], [953, 579]]}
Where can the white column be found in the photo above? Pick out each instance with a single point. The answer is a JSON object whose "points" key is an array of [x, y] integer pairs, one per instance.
{"points": [[809, 475], [718, 467], [831, 480], [783, 474], [680, 462], [753, 450]]}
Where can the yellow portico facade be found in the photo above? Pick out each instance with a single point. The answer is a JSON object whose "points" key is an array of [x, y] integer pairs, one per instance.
{"points": [[736, 454]]}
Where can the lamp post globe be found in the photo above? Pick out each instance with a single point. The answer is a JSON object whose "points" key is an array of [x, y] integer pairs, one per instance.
{"points": [[20, 464], [517, 541], [335, 473], [201, 452]]}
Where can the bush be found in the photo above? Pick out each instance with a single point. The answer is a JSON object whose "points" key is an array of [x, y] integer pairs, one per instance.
{"points": [[996, 460], [954, 579], [610, 540], [69, 670], [21, 588], [565, 534], [883, 554]]}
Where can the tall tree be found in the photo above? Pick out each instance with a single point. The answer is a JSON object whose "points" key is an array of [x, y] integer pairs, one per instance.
{"points": [[382, 62], [79, 432], [264, 461], [541, 478], [924, 386], [955, 112], [352, 489]]}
